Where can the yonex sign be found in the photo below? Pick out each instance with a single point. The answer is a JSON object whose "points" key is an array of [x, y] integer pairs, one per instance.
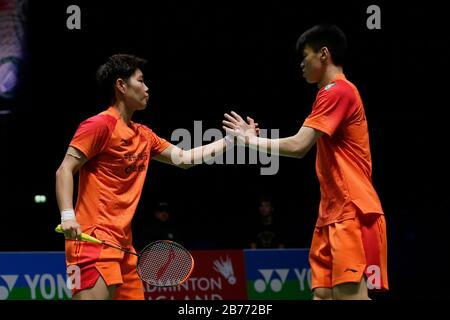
{"points": [[33, 275], [278, 274]]}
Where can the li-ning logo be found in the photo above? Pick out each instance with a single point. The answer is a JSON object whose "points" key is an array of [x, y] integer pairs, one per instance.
{"points": [[373, 274], [225, 268], [276, 284], [10, 281]]}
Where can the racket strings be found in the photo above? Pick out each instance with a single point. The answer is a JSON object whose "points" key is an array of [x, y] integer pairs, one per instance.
{"points": [[164, 263]]}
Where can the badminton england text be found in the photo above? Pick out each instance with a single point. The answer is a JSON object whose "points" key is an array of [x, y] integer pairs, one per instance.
{"points": [[227, 309], [269, 161]]}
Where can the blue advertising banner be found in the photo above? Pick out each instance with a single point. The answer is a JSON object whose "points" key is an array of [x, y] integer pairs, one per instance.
{"points": [[278, 274], [33, 276]]}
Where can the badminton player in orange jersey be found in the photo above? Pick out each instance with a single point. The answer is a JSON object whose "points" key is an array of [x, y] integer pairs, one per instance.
{"points": [[348, 252], [112, 154]]}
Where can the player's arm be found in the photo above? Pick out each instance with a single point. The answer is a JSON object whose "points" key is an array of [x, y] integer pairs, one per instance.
{"points": [[73, 161], [188, 158], [296, 146]]}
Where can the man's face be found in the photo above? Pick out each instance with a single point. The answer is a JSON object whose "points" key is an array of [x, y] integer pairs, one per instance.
{"points": [[312, 67], [162, 216], [136, 92], [265, 208]]}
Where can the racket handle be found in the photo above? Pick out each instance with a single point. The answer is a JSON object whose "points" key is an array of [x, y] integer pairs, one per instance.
{"points": [[84, 237]]}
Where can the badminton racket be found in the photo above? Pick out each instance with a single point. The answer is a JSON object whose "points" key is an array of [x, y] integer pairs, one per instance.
{"points": [[162, 263]]}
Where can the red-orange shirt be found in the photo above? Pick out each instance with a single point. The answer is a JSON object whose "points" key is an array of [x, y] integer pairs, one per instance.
{"points": [[111, 181], [343, 164]]}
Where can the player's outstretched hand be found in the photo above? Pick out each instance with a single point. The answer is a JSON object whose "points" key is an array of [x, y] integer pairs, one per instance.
{"points": [[236, 126]]}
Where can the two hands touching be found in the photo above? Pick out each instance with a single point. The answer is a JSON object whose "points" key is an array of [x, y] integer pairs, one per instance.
{"points": [[235, 126]]}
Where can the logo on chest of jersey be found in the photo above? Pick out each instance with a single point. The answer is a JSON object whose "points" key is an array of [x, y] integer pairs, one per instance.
{"points": [[136, 162]]}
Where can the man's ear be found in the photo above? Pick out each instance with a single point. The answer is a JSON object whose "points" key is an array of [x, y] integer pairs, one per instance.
{"points": [[120, 85], [324, 54]]}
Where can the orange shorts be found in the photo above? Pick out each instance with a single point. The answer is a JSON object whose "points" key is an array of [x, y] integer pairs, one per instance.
{"points": [[342, 252], [114, 266]]}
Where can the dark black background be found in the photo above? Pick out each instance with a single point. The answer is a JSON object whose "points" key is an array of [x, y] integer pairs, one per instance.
{"points": [[210, 57]]}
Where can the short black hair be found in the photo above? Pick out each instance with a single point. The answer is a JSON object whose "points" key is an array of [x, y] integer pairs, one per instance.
{"points": [[117, 66], [330, 36]]}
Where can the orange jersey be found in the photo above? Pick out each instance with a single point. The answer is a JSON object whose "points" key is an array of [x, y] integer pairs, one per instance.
{"points": [[111, 181], [343, 164]]}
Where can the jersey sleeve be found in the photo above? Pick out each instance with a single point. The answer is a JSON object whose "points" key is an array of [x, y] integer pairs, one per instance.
{"points": [[330, 109], [158, 144], [92, 136]]}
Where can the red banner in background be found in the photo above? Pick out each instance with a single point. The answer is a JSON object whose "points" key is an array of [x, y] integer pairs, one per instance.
{"points": [[217, 275]]}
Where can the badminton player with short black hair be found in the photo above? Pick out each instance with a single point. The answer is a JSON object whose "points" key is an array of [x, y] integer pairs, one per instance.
{"points": [[349, 241], [112, 154]]}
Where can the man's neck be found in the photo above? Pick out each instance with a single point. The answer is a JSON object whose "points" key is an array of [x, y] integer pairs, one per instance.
{"points": [[125, 113], [330, 74]]}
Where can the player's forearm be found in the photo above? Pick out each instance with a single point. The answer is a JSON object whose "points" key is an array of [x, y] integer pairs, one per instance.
{"points": [[287, 147], [64, 188], [208, 151]]}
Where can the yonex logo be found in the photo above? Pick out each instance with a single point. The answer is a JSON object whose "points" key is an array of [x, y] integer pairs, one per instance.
{"points": [[274, 279], [10, 281], [276, 284], [39, 286]]}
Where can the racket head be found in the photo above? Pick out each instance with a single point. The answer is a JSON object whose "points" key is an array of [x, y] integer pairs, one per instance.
{"points": [[164, 263]]}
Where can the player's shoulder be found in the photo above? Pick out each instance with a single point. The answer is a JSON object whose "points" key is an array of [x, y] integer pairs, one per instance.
{"points": [[338, 88], [145, 131], [143, 128], [100, 121]]}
